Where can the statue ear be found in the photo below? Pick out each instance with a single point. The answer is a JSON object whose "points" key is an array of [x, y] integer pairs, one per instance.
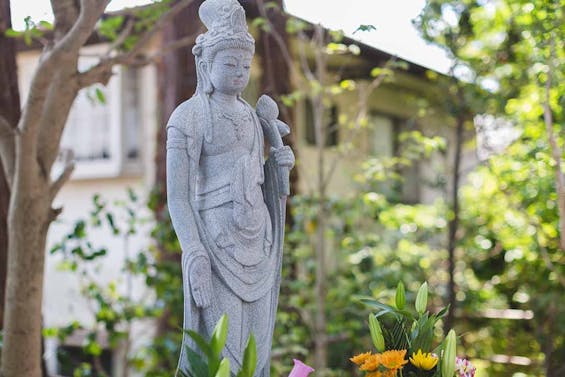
{"points": [[204, 67]]}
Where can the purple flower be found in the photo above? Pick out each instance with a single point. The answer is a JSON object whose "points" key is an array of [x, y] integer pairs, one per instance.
{"points": [[300, 369], [463, 368]]}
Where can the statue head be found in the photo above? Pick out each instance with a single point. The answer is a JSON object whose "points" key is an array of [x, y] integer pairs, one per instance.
{"points": [[227, 32]]}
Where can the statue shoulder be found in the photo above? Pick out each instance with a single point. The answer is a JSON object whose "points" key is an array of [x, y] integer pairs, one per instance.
{"points": [[185, 127], [187, 117]]}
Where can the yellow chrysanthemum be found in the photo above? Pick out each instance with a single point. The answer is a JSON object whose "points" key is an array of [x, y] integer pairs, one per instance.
{"points": [[393, 359], [372, 363], [424, 361], [360, 359]]}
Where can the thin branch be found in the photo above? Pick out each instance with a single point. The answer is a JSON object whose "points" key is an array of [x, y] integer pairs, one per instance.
{"points": [[179, 43], [144, 40], [69, 166], [5, 128], [7, 149], [276, 35], [102, 72], [126, 32], [303, 60], [361, 114]]}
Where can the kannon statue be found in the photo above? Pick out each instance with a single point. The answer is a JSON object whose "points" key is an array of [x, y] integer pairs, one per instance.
{"points": [[225, 197]]}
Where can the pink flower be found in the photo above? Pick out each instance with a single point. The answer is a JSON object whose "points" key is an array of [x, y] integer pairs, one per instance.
{"points": [[300, 369], [463, 368]]}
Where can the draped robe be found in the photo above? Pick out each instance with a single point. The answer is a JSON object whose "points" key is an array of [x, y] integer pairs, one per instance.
{"points": [[239, 219]]}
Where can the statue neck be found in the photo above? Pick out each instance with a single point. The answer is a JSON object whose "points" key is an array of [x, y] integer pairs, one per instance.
{"points": [[224, 99]]}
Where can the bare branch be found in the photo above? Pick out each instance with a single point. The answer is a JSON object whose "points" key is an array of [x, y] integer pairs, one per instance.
{"points": [[69, 166], [5, 128], [7, 149], [303, 60], [100, 73]]}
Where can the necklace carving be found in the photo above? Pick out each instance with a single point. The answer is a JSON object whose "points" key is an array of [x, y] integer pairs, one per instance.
{"points": [[238, 118]]}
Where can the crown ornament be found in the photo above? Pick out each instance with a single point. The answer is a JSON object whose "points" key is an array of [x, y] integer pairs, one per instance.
{"points": [[227, 28]]}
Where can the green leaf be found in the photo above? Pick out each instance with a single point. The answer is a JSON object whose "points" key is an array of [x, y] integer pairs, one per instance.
{"points": [[201, 343], [79, 231], [365, 28], [378, 71], [46, 25], [109, 27], [442, 312], [12, 33], [376, 333], [400, 297], [224, 369], [422, 298], [27, 38], [249, 358], [197, 366], [219, 336], [379, 305], [449, 354], [100, 95]]}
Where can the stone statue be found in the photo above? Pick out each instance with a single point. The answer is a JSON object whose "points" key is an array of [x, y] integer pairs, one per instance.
{"points": [[227, 202]]}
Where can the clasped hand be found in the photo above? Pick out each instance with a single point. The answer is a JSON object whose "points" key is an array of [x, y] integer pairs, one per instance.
{"points": [[284, 156], [201, 282]]}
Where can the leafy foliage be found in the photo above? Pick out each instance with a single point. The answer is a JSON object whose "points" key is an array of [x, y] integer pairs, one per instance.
{"points": [[510, 237], [395, 328], [214, 365]]}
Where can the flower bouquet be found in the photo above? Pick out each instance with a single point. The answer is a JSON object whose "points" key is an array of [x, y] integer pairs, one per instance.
{"points": [[404, 341]]}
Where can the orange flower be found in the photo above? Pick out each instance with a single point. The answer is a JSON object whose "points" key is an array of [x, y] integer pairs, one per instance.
{"points": [[372, 363], [393, 359], [360, 359], [386, 373]]}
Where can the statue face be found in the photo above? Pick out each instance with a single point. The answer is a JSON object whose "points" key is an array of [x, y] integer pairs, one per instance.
{"points": [[230, 71]]}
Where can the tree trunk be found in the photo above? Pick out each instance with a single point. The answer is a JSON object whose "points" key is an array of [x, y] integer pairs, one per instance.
{"points": [[28, 221], [320, 289], [454, 222], [10, 110]]}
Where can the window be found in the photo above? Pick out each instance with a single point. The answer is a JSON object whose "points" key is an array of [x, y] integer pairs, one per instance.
{"points": [[331, 123], [104, 129], [386, 144]]}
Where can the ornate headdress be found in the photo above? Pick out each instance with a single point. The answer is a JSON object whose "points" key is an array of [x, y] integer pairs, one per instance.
{"points": [[227, 28]]}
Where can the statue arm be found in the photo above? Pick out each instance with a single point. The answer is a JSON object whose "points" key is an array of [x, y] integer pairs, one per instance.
{"points": [[178, 198], [182, 216]]}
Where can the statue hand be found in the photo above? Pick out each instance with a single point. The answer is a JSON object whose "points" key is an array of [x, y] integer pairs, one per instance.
{"points": [[284, 156], [201, 282]]}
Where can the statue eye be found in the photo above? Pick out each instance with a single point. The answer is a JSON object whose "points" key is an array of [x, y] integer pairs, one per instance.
{"points": [[231, 65]]}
